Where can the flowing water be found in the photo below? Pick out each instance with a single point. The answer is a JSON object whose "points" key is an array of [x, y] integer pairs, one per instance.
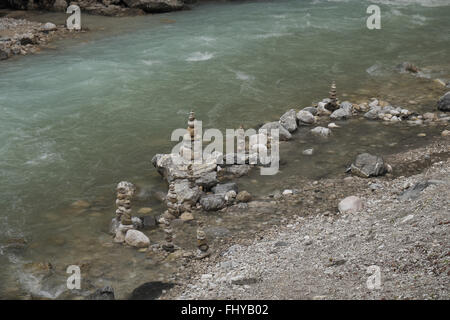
{"points": [[79, 118]]}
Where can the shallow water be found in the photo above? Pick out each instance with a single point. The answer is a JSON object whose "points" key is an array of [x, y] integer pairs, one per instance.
{"points": [[80, 118]]}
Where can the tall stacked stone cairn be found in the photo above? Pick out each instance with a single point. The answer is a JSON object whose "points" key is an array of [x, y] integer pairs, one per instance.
{"points": [[168, 232], [194, 177], [333, 104], [122, 222], [202, 243]]}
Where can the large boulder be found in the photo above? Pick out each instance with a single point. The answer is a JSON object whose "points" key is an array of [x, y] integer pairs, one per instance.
{"points": [[444, 102], [289, 121], [284, 134], [155, 6], [367, 165]]}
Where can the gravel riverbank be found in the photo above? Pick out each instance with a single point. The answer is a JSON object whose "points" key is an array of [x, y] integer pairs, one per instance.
{"points": [[323, 254]]}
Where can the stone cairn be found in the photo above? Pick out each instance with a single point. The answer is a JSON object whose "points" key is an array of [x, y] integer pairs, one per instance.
{"points": [[333, 104], [168, 231], [202, 244], [190, 140], [125, 191]]}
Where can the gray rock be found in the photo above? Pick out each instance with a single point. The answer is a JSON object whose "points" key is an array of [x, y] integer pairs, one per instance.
{"points": [[148, 222], [212, 202], [414, 192], [444, 102], [223, 188], [321, 131], [137, 223], [49, 26], [344, 112], [305, 117], [114, 226], [187, 192], [208, 180], [284, 134], [289, 121], [311, 110], [308, 152], [367, 165]]}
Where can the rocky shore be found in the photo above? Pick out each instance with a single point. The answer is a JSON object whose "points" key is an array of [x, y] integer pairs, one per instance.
{"points": [[22, 37], [400, 224]]}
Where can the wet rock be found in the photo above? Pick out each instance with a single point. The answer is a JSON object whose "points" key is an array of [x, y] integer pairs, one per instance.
{"points": [[150, 290], [305, 117], [350, 204], [106, 293], [284, 134], [444, 102], [367, 165], [49, 27], [288, 192], [332, 125], [289, 121], [344, 112], [243, 196], [407, 67], [213, 202], [321, 108], [39, 268], [311, 110], [223, 188], [137, 239], [445, 133], [321, 131], [148, 222], [308, 152], [159, 195]]}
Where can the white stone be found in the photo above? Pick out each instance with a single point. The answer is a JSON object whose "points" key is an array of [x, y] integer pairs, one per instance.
{"points": [[287, 192], [137, 239], [332, 125], [324, 132], [350, 204]]}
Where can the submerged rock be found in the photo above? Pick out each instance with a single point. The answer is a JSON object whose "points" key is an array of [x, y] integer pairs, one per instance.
{"points": [[148, 222], [289, 120], [321, 131], [150, 290], [367, 165], [444, 102], [284, 134]]}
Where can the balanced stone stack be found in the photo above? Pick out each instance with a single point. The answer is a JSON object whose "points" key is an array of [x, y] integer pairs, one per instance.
{"points": [[333, 104], [168, 244], [202, 244], [125, 191], [191, 148]]}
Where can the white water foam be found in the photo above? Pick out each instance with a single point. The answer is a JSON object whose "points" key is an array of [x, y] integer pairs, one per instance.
{"points": [[200, 56]]}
